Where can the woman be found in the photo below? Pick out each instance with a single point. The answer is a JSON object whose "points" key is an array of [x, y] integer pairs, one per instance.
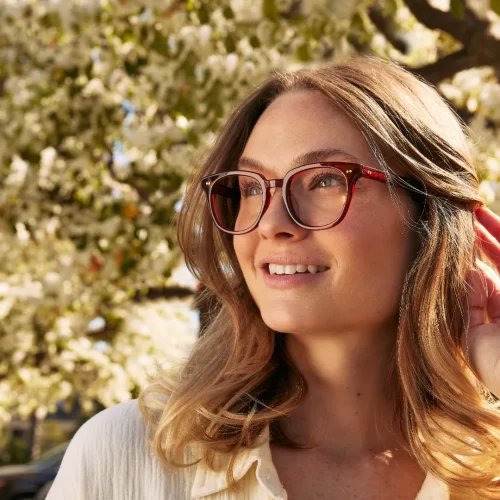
{"points": [[348, 353]]}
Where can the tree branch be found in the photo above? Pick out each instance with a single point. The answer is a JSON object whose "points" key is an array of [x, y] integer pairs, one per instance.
{"points": [[163, 292], [480, 48], [388, 28], [447, 66], [461, 29]]}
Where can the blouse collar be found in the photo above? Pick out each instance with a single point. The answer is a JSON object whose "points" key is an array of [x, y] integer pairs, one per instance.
{"points": [[208, 482]]}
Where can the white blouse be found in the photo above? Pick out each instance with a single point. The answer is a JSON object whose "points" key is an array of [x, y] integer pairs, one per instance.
{"points": [[109, 458]]}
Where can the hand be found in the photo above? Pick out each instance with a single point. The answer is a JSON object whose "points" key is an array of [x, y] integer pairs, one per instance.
{"points": [[482, 342]]}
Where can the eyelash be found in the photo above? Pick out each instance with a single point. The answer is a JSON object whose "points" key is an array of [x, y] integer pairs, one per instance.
{"points": [[313, 184], [244, 189], [319, 177]]}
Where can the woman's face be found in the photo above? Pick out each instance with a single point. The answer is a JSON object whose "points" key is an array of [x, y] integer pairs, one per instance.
{"points": [[367, 254]]}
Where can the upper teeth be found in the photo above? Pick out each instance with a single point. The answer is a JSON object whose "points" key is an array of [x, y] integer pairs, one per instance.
{"points": [[292, 269]]}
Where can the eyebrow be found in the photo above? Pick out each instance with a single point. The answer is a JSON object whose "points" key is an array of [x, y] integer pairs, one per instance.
{"points": [[302, 159]]}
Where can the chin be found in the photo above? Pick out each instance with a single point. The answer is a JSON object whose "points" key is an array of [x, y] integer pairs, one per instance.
{"points": [[287, 321]]}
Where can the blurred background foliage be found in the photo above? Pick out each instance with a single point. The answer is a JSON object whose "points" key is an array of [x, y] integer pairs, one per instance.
{"points": [[105, 108]]}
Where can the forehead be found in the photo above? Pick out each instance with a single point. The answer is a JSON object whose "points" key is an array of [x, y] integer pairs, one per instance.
{"points": [[301, 121]]}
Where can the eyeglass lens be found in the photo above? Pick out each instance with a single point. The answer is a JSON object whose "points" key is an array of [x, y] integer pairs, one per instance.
{"points": [[316, 197]]}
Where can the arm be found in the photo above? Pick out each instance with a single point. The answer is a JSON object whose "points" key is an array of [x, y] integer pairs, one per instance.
{"points": [[101, 457], [74, 477]]}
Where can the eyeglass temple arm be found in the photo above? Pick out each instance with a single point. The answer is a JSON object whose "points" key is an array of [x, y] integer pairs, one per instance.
{"points": [[376, 175]]}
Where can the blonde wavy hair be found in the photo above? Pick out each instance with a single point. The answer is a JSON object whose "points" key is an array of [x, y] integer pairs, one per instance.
{"points": [[238, 378]]}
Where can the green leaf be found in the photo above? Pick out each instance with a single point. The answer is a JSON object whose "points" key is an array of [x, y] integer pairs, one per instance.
{"points": [[303, 53], [204, 14], [389, 7], [457, 8], [230, 44], [495, 6], [270, 10], [163, 216], [128, 265], [228, 12], [51, 20], [254, 41], [357, 22], [160, 43]]}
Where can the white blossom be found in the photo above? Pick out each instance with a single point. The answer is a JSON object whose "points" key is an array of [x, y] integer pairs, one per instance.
{"points": [[94, 88], [103, 117], [18, 171]]}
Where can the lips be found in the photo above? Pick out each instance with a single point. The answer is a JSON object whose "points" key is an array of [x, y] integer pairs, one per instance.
{"points": [[297, 280]]}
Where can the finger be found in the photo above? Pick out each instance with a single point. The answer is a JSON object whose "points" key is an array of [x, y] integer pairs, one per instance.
{"points": [[492, 282], [477, 298], [488, 243], [489, 220]]}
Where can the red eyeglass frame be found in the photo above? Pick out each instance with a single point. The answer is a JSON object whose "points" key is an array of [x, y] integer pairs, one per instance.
{"points": [[351, 171]]}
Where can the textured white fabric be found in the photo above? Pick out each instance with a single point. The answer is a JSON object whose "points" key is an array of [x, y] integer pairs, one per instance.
{"points": [[109, 459]]}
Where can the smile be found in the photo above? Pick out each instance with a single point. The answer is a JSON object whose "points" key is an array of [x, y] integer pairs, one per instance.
{"points": [[295, 269]]}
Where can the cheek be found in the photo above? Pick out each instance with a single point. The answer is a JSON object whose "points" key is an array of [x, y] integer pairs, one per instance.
{"points": [[378, 222], [244, 249], [378, 247]]}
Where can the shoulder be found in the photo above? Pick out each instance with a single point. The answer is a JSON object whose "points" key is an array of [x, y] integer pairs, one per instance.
{"points": [[105, 456], [111, 434], [119, 424]]}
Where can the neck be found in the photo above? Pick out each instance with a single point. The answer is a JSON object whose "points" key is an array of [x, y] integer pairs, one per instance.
{"points": [[347, 412]]}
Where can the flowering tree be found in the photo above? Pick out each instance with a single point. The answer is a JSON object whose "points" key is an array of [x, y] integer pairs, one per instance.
{"points": [[104, 105]]}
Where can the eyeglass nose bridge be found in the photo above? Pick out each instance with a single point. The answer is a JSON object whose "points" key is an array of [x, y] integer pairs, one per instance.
{"points": [[273, 183], [270, 184]]}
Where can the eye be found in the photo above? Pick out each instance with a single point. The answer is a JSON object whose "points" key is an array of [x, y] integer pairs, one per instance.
{"points": [[249, 189], [326, 180]]}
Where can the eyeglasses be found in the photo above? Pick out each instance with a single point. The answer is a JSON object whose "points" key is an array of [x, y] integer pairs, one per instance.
{"points": [[317, 196]]}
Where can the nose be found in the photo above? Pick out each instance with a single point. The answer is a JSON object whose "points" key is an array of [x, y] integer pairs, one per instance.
{"points": [[276, 221]]}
